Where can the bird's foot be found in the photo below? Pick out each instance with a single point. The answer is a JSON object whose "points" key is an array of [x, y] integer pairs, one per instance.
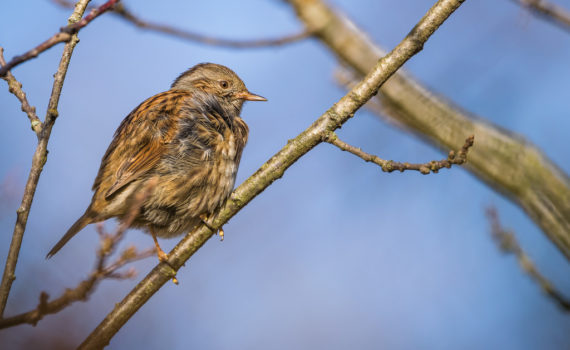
{"points": [[162, 256]]}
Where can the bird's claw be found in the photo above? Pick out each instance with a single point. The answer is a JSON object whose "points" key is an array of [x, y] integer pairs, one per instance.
{"points": [[219, 231]]}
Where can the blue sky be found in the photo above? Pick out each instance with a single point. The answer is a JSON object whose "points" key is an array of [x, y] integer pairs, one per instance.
{"points": [[334, 255]]}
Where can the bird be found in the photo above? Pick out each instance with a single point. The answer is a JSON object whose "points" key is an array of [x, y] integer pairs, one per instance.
{"points": [[187, 142]]}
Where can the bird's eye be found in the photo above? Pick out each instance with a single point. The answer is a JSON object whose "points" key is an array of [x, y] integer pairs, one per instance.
{"points": [[224, 84]]}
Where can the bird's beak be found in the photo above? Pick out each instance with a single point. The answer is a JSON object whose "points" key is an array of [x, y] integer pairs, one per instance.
{"points": [[246, 95]]}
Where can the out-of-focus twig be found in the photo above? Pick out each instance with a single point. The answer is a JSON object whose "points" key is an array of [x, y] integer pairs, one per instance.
{"points": [[388, 166], [121, 11], [38, 160], [509, 245], [65, 34], [548, 11], [15, 87], [102, 270]]}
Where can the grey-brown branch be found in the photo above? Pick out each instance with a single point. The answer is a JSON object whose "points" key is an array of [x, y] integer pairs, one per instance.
{"points": [[508, 243], [272, 170], [15, 87], [453, 157]]}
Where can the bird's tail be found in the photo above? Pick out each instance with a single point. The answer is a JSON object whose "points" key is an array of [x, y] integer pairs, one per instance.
{"points": [[83, 221]]}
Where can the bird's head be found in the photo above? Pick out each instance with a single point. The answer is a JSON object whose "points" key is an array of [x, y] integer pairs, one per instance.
{"points": [[217, 80]]}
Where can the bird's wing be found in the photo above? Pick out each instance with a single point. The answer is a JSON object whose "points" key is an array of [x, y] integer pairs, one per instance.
{"points": [[139, 142]]}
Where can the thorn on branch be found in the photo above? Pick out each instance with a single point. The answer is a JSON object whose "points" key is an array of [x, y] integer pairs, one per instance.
{"points": [[389, 166], [508, 244]]}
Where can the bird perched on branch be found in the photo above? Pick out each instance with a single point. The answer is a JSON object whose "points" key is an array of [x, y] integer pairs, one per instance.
{"points": [[187, 142]]}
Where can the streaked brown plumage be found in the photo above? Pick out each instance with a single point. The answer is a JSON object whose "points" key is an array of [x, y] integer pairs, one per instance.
{"points": [[189, 140]]}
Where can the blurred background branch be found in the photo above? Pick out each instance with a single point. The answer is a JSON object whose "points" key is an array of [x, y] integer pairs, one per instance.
{"points": [[124, 13], [85, 288], [503, 160], [507, 242], [101, 271], [547, 11]]}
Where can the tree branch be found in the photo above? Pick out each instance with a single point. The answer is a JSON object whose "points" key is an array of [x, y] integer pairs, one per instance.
{"points": [[121, 11], [101, 271], [38, 161], [506, 162], [509, 245], [127, 15], [390, 166], [15, 87], [547, 11], [272, 170], [66, 34]]}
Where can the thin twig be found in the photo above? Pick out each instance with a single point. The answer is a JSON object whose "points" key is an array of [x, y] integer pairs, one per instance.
{"points": [[509, 245], [83, 290], [272, 170], [15, 87], [388, 166], [102, 270], [121, 11], [38, 161], [65, 34], [547, 11]]}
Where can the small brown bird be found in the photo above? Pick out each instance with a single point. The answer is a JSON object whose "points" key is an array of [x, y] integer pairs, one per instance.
{"points": [[188, 141]]}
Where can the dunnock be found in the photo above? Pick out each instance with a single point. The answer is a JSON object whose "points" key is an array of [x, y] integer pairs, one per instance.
{"points": [[188, 141]]}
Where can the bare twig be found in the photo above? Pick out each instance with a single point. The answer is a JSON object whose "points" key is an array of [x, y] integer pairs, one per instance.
{"points": [[505, 161], [101, 271], [82, 291], [129, 16], [65, 34], [38, 161], [509, 245], [388, 166], [548, 11], [272, 170], [15, 87]]}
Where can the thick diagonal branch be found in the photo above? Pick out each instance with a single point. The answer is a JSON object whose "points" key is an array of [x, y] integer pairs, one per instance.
{"points": [[505, 161], [272, 170]]}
